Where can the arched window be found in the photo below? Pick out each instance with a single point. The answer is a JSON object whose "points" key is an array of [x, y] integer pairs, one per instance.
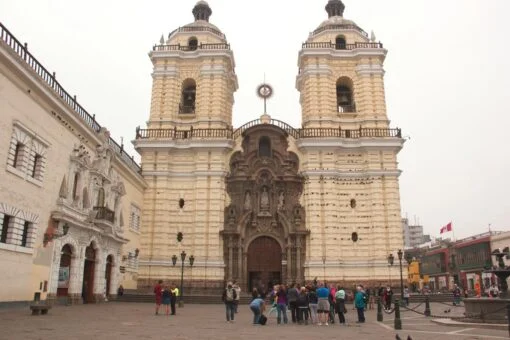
{"points": [[76, 182], [340, 43], [264, 147], [188, 96], [344, 95], [100, 197], [192, 43]]}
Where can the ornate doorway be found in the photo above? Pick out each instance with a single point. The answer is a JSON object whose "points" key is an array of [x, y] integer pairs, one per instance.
{"points": [[64, 272], [87, 292], [264, 236], [264, 263]]}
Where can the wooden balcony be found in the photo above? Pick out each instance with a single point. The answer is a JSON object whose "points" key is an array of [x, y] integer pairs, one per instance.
{"points": [[104, 214]]}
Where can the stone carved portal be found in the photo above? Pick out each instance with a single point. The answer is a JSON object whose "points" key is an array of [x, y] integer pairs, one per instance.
{"points": [[264, 188]]}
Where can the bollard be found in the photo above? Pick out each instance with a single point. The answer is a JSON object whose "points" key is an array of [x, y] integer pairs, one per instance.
{"points": [[379, 310], [427, 306], [398, 321], [508, 317]]}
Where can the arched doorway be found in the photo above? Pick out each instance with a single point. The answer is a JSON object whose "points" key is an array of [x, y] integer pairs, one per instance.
{"points": [[264, 263], [87, 292], [64, 272], [108, 274]]}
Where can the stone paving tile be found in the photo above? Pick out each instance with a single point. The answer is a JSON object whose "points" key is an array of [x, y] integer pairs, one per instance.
{"points": [[137, 321]]}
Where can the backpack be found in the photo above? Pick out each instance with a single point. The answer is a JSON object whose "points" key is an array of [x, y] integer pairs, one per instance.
{"points": [[230, 294]]}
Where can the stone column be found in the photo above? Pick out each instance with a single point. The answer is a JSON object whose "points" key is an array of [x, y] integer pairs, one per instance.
{"points": [[76, 276], [55, 267], [99, 277], [230, 257], [298, 258], [245, 269], [289, 260], [240, 262]]}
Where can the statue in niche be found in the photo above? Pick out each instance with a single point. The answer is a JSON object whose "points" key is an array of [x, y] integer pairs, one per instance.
{"points": [[264, 200], [281, 201], [247, 201]]}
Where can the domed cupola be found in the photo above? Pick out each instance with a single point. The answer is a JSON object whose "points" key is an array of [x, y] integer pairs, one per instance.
{"points": [[202, 11], [335, 8]]}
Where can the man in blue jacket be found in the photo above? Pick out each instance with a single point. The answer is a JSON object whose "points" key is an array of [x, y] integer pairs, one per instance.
{"points": [[359, 303]]}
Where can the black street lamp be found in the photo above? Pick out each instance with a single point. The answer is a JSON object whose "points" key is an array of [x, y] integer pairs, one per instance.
{"points": [[391, 259], [174, 262], [400, 253]]}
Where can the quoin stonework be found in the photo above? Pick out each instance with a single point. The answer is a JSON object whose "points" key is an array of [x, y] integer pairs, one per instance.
{"points": [[267, 202]]}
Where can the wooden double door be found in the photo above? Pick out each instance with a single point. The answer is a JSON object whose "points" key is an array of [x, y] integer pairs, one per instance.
{"points": [[264, 264]]}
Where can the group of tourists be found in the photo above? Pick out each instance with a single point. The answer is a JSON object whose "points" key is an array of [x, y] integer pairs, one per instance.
{"points": [[314, 303], [166, 295]]}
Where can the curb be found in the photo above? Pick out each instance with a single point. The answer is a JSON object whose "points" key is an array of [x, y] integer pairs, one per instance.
{"points": [[452, 323]]}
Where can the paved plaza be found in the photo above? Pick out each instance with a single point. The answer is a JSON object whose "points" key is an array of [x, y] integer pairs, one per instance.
{"points": [[137, 321]]}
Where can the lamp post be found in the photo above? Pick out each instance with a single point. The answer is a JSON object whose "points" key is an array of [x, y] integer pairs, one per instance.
{"points": [[174, 262], [400, 253], [391, 259]]}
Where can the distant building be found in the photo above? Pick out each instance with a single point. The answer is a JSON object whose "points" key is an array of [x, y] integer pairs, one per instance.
{"points": [[413, 234]]}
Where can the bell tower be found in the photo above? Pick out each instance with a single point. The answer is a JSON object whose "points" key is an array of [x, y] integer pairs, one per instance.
{"points": [[183, 153], [193, 76], [341, 75], [351, 189]]}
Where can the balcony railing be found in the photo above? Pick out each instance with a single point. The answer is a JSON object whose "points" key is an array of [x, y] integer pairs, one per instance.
{"points": [[21, 50], [199, 29], [331, 45], [186, 108], [296, 133], [103, 213], [340, 27], [220, 46], [346, 108]]}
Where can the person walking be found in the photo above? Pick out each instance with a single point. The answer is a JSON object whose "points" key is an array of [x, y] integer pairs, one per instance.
{"points": [[340, 305], [313, 301], [332, 303], [281, 305], [229, 295], [158, 291], [406, 296], [323, 304], [235, 285], [456, 295], [258, 307], [388, 296], [173, 299], [302, 303], [166, 297], [359, 303], [292, 295]]}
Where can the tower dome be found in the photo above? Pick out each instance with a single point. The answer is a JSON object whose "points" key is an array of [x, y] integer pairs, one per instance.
{"points": [[336, 20], [201, 12]]}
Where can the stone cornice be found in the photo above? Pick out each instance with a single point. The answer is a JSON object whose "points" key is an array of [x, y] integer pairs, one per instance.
{"points": [[363, 173], [333, 53], [198, 53], [182, 144], [365, 143], [188, 174]]}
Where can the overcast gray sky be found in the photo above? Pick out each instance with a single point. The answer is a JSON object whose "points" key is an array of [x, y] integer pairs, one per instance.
{"points": [[447, 77]]}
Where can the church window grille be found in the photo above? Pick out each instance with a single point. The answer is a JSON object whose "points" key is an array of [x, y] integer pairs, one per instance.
{"points": [[100, 197], [6, 225], [192, 43], [76, 182]]}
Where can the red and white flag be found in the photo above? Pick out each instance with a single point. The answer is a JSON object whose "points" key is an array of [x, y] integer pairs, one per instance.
{"points": [[446, 228]]}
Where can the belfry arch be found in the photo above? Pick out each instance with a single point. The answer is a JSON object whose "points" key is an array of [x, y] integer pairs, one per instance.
{"points": [[265, 188]]}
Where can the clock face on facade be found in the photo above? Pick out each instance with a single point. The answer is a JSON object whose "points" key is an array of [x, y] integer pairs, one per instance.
{"points": [[264, 91]]}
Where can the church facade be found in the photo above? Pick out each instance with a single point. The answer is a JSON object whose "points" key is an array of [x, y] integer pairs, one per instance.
{"points": [[267, 202]]}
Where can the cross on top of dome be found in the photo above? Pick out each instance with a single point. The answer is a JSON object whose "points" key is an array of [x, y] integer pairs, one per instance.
{"points": [[335, 8], [202, 11]]}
